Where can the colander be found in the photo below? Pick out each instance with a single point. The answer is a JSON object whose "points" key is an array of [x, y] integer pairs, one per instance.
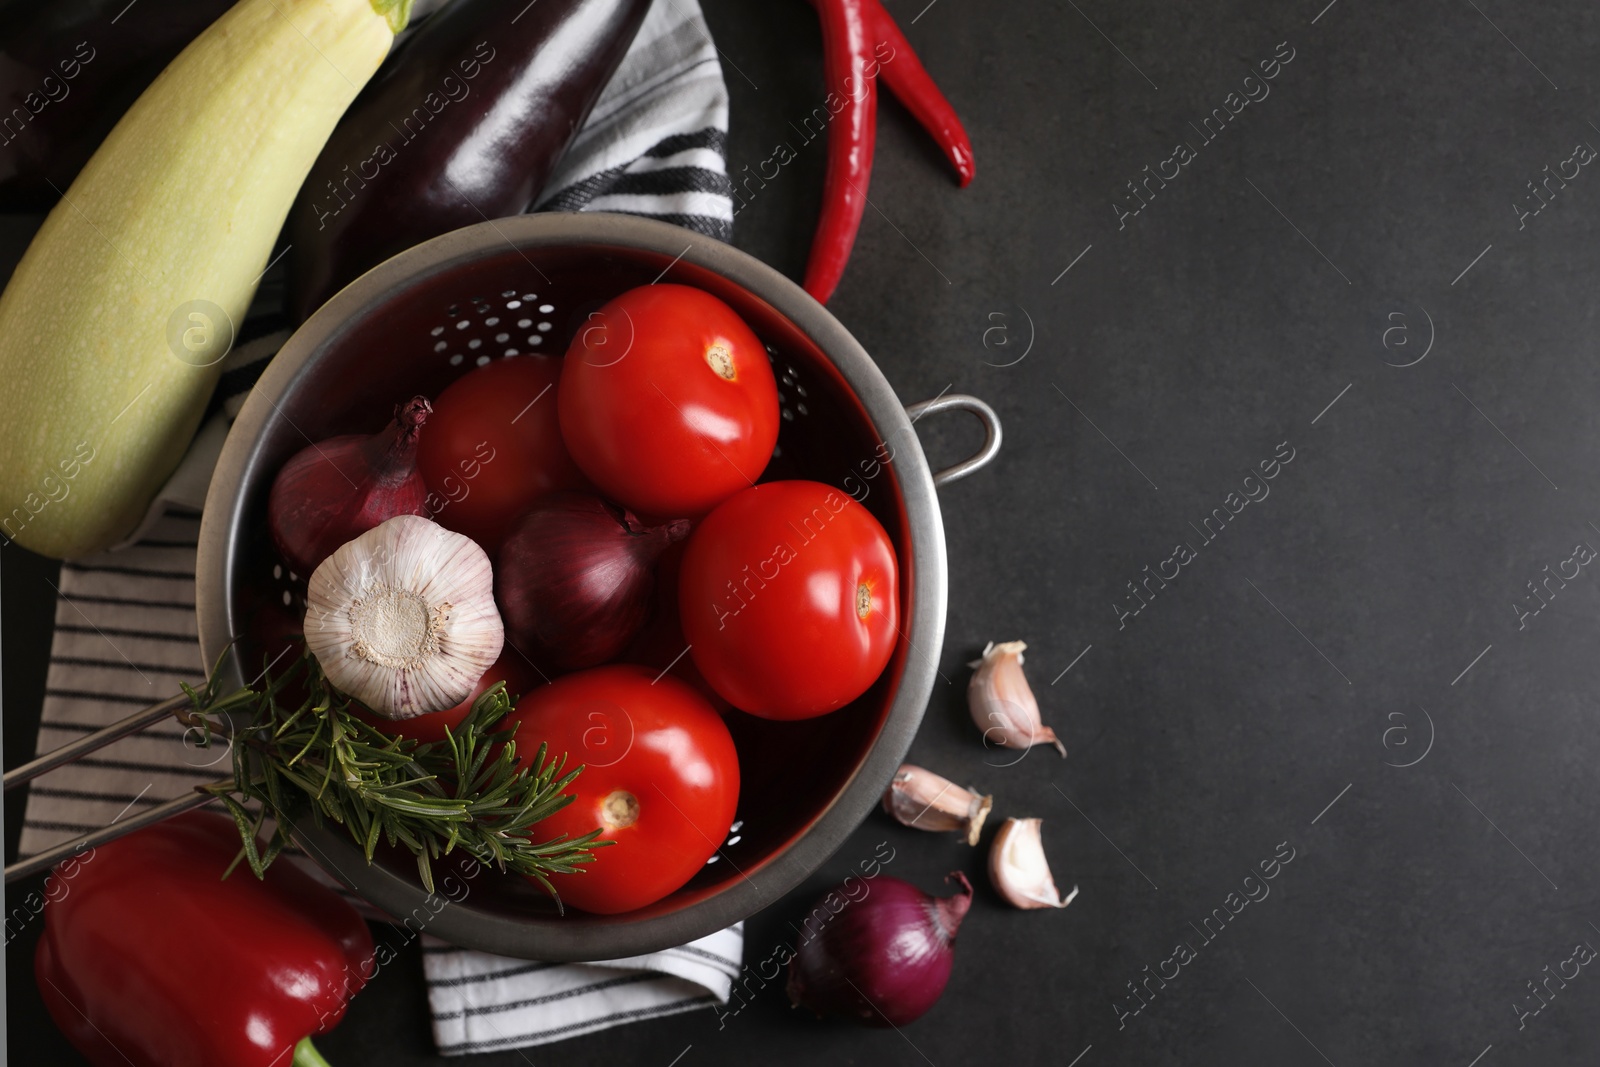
{"points": [[525, 285]]}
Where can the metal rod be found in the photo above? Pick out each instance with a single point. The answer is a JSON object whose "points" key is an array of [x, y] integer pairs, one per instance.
{"points": [[99, 739], [67, 849]]}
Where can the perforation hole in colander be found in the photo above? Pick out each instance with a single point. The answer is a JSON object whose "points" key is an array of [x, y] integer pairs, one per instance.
{"points": [[481, 329]]}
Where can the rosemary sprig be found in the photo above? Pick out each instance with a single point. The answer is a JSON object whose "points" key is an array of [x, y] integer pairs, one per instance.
{"points": [[465, 793]]}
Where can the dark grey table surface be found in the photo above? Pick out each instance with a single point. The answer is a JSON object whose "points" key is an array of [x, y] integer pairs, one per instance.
{"points": [[1350, 669]]}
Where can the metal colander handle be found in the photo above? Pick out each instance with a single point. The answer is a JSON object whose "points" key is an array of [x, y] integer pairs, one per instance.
{"points": [[991, 432]]}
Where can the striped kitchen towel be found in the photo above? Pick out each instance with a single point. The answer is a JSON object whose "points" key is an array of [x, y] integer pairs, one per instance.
{"points": [[484, 1003], [656, 145], [631, 157]]}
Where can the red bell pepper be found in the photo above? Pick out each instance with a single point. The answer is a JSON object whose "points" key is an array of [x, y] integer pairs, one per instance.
{"points": [[154, 959]]}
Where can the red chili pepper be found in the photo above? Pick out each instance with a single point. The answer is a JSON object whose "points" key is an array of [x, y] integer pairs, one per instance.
{"points": [[854, 32], [846, 51], [151, 958], [914, 87]]}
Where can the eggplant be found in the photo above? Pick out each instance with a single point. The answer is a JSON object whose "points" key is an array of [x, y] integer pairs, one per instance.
{"points": [[69, 69], [466, 123]]}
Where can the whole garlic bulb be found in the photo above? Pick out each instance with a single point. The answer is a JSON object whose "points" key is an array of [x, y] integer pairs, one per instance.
{"points": [[403, 617]]}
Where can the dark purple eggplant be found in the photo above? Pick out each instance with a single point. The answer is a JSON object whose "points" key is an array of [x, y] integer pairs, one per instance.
{"points": [[69, 69], [466, 122]]}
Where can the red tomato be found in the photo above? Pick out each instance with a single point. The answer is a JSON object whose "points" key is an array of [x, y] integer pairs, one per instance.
{"points": [[668, 402], [493, 446], [660, 778], [789, 596], [511, 668]]}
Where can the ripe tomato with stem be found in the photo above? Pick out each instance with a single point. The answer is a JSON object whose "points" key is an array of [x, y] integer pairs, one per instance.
{"points": [[660, 779]]}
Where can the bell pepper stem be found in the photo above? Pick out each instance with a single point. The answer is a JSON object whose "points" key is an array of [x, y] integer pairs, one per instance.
{"points": [[306, 1055]]}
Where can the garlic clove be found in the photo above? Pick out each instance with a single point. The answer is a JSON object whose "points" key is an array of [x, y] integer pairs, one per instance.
{"points": [[928, 801], [1018, 869], [403, 619], [1001, 702]]}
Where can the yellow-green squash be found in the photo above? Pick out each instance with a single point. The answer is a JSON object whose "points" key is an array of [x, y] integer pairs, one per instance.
{"points": [[113, 326]]}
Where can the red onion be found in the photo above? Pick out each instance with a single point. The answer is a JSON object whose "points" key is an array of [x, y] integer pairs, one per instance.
{"points": [[335, 490], [884, 958], [574, 578]]}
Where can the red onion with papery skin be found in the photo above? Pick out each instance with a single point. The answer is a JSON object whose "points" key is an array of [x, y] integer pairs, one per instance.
{"points": [[574, 579], [336, 490], [884, 958]]}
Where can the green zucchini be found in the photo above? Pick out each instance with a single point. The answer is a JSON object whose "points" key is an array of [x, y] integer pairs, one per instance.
{"points": [[114, 324]]}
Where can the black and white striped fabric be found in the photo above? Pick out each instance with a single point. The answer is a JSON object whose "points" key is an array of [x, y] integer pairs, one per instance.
{"points": [[125, 626], [484, 1003], [640, 152]]}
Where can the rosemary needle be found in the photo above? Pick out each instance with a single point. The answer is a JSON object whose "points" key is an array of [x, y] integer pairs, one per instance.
{"points": [[310, 752]]}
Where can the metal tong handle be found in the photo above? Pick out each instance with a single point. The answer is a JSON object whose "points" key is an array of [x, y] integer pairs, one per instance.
{"points": [[75, 750]]}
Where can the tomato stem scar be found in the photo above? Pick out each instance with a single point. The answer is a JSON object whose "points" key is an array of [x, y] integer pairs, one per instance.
{"points": [[720, 360], [619, 809]]}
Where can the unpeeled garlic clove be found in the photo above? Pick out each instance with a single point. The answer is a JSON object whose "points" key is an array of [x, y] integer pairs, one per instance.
{"points": [[1002, 704], [928, 801], [1018, 869], [403, 619]]}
